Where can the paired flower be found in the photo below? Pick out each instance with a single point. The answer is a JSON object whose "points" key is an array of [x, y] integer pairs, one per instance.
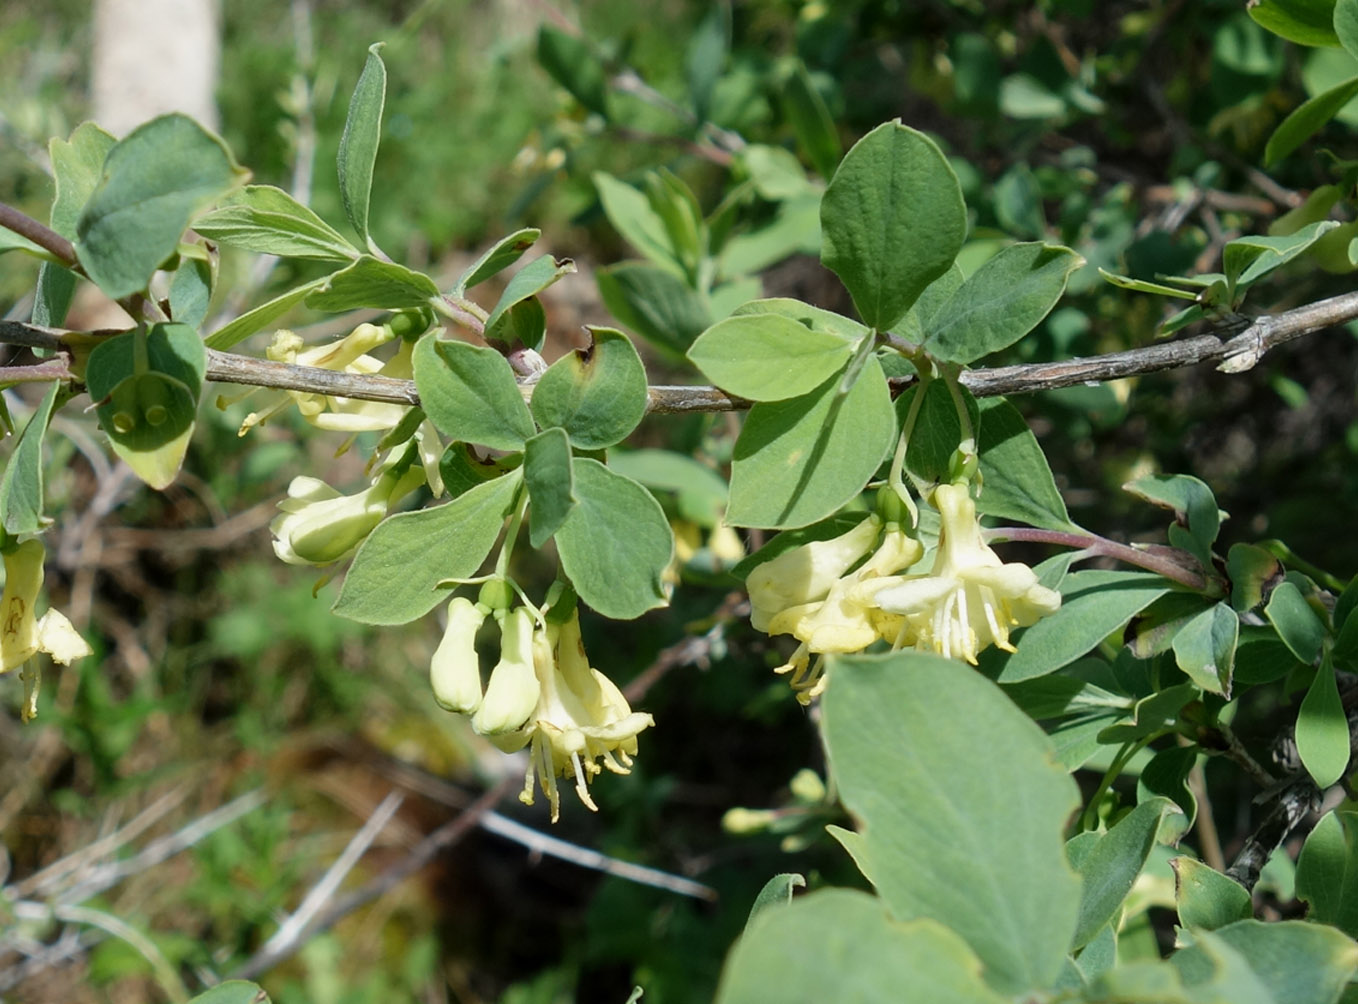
{"points": [[319, 526], [348, 355], [22, 633], [844, 594], [970, 600], [810, 593], [542, 694]]}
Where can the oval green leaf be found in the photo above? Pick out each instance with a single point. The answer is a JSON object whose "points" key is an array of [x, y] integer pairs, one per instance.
{"points": [[1327, 871], [154, 181], [551, 485], [768, 357], [397, 571], [799, 460], [373, 283], [1207, 899], [1001, 301], [615, 544], [900, 731], [21, 495], [892, 221], [598, 395], [268, 220], [470, 394], [839, 945], [1323, 730]]}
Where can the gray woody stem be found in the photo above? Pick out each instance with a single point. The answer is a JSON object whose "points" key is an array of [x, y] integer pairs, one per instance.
{"points": [[1237, 353]]}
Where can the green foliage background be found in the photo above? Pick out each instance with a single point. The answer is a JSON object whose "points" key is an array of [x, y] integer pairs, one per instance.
{"points": [[1130, 132]]}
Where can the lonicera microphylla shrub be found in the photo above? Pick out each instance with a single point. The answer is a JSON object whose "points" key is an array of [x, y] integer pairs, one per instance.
{"points": [[957, 688]]}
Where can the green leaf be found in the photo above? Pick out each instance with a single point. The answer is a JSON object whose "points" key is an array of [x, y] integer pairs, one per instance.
{"points": [[268, 220], [597, 395], [371, 282], [900, 733], [1094, 604], [616, 544], [1001, 301], [794, 229], [463, 469], [1166, 774], [77, 165], [934, 441], [1327, 871], [1250, 568], [10, 241], [1323, 729], [571, 62], [1110, 867], [1301, 630], [1247, 259], [470, 394], [154, 181], [266, 313], [839, 945], [640, 225], [504, 253], [777, 891], [705, 57], [21, 494], [1018, 482], [776, 173], [1193, 504], [1293, 961], [148, 411], [653, 302], [797, 461], [1307, 118], [892, 221], [701, 492], [1346, 25], [359, 142], [1205, 648], [1157, 712], [547, 472], [1306, 22], [233, 992], [191, 291], [768, 357], [814, 318], [811, 121], [1142, 286], [53, 296], [1205, 898], [397, 573], [528, 281]]}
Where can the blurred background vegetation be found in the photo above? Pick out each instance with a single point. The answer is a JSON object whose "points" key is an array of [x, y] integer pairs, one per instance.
{"points": [[1133, 132]]}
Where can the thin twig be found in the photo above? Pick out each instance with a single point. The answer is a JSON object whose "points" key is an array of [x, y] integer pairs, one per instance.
{"points": [[423, 852], [1293, 802], [1233, 355], [283, 942]]}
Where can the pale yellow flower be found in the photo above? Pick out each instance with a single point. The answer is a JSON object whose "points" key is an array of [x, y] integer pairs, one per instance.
{"points": [[455, 670], [318, 525], [970, 600], [806, 574], [22, 633], [581, 723], [348, 355], [513, 689]]}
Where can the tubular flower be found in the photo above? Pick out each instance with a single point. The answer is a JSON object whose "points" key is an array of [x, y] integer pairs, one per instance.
{"points": [[834, 611], [455, 671], [348, 355], [22, 633], [970, 600], [581, 719], [513, 689], [319, 525]]}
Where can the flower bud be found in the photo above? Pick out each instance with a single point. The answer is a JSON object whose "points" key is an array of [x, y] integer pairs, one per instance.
{"points": [[455, 671], [513, 689]]}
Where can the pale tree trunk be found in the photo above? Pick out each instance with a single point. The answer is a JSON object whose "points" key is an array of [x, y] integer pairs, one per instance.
{"points": [[152, 57]]}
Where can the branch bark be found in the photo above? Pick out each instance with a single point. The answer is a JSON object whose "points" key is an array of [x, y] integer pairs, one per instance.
{"points": [[1235, 347]]}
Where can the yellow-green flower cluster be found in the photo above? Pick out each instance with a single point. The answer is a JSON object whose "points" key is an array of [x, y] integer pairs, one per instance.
{"points": [[844, 594], [542, 694], [23, 634]]}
